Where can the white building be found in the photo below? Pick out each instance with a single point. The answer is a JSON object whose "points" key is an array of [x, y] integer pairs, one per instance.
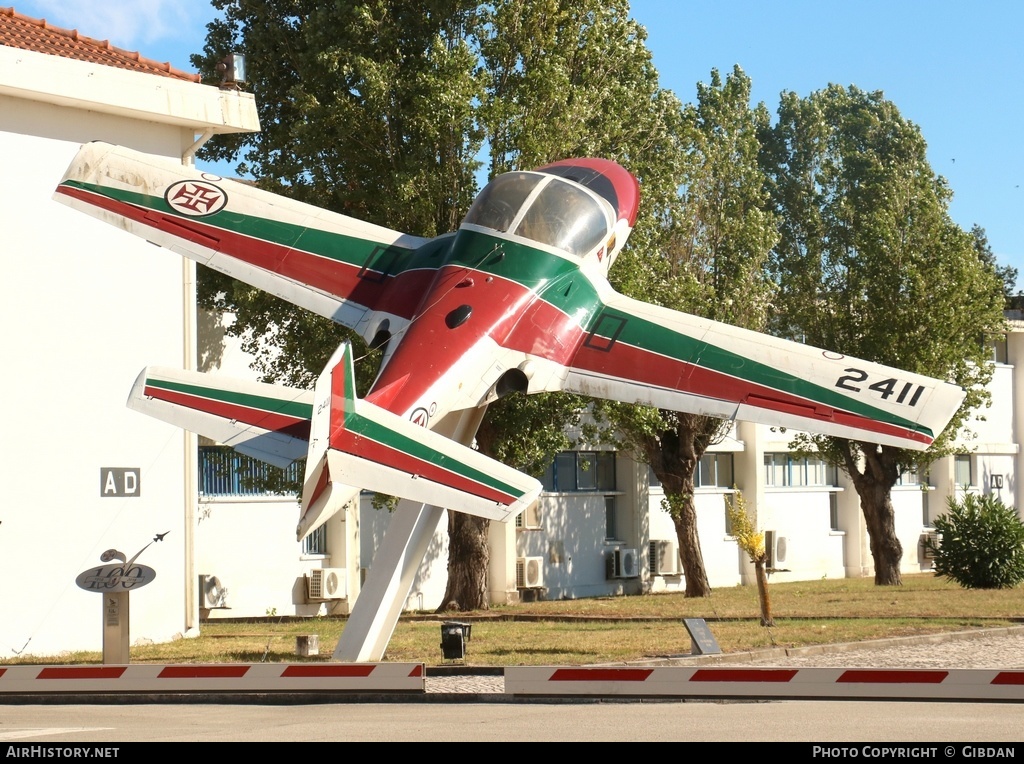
{"points": [[88, 307]]}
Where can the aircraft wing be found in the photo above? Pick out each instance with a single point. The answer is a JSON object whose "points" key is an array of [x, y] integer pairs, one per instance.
{"points": [[268, 422], [640, 353], [345, 269]]}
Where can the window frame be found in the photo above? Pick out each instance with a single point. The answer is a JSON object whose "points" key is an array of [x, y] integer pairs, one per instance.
{"points": [[563, 474]]}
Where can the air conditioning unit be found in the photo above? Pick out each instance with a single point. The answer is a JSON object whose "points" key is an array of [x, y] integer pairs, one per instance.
{"points": [[529, 572], [212, 593], [326, 584], [777, 547], [664, 558], [627, 563], [529, 518], [929, 543]]}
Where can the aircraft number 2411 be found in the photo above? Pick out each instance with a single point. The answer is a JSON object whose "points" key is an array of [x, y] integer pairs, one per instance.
{"points": [[885, 387]]}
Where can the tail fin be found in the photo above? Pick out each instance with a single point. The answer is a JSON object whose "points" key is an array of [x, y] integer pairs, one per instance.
{"points": [[322, 497], [355, 443]]}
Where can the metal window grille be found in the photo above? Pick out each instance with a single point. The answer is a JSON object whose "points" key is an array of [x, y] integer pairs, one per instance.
{"points": [[225, 472]]}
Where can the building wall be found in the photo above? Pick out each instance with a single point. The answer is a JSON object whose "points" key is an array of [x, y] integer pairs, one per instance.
{"points": [[86, 308]]}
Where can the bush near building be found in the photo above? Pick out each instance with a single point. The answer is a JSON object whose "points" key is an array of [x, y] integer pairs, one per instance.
{"points": [[982, 543]]}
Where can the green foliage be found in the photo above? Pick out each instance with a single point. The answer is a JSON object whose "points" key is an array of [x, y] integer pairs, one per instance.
{"points": [[982, 543], [366, 108], [1006, 274], [379, 110], [743, 528], [869, 263], [705, 254]]}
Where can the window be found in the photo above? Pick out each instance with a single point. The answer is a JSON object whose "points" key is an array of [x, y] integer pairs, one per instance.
{"points": [[713, 471], [315, 542], [787, 470], [999, 352], [908, 477], [499, 203], [581, 471], [566, 217], [833, 511], [963, 475], [225, 472], [610, 523]]}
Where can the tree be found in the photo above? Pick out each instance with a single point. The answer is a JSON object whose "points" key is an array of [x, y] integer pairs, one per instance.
{"points": [[751, 541], [1006, 274], [379, 110], [715, 243], [369, 109], [869, 263], [565, 78], [366, 108]]}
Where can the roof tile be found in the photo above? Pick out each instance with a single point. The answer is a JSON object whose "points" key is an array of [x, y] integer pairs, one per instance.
{"points": [[25, 33]]}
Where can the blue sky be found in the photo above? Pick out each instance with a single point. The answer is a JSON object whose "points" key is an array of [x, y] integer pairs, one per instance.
{"points": [[956, 69]]}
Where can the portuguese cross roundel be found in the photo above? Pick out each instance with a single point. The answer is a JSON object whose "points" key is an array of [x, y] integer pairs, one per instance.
{"points": [[195, 198]]}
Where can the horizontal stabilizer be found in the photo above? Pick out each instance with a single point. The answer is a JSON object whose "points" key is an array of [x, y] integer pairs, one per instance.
{"points": [[379, 451], [267, 422]]}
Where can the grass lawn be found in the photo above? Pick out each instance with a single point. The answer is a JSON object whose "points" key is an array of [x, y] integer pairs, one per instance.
{"points": [[618, 629]]}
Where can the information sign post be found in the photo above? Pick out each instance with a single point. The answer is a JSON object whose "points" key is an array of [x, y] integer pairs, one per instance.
{"points": [[114, 582]]}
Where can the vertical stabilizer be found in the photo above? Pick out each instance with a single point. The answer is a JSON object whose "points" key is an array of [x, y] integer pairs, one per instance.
{"points": [[322, 497]]}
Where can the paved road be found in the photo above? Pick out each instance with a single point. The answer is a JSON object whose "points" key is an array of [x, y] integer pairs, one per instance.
{"points": [[931, 726]]}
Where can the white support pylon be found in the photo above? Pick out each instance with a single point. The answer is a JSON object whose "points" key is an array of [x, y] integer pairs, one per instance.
{"points": [[388, 582]]}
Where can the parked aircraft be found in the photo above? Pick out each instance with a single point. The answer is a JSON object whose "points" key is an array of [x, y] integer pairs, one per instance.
{"points": [[516, 300]]}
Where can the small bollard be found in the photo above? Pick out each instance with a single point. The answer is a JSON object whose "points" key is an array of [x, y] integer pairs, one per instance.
{"points": [[307, 645]]}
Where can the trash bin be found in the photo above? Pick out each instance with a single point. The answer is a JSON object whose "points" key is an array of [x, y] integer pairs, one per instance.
{"points": [[454, 636]]}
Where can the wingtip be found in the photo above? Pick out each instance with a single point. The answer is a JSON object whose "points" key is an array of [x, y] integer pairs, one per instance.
{"points": [[138, 391]]}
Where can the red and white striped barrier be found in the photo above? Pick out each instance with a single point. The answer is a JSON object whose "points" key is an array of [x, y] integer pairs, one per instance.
{"points": [[216, 677], [763, 682]]}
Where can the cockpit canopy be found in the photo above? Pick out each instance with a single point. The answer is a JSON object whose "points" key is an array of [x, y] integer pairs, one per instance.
{"points": [[545, 209]]}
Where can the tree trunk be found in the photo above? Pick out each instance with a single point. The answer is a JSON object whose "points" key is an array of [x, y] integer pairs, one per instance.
{"points": [[762, 593], [674, 456], [684, 517], [885, 546], [874, 487], [467, 580]]}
